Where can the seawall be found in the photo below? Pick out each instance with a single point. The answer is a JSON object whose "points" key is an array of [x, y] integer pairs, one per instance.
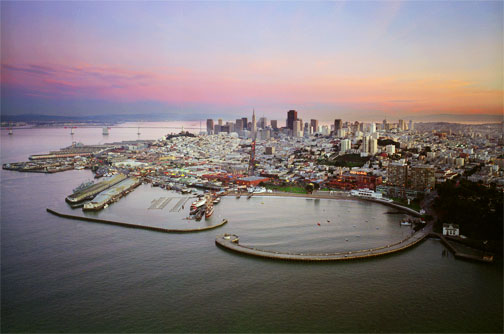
{"points": [[129, 225]]}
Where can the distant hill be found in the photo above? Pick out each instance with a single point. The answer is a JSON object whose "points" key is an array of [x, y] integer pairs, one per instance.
{"points": [[112, 118]]}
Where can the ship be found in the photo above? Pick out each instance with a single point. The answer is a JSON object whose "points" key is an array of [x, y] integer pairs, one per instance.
{"points": [[209, 211], [216, 200], [83, 186], [370, 194]]}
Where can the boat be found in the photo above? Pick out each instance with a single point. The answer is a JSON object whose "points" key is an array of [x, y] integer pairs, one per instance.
{"points": [[105, 131], [10, 132], [199, 214], [370, 194], [216, 200], [198, 203], [238, 196], [209, 211], [82, 186], [405, 223], [365, 193]]}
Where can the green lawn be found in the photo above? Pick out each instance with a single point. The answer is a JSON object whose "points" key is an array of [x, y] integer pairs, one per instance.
{"points": [[404, 202], [289, 189]]}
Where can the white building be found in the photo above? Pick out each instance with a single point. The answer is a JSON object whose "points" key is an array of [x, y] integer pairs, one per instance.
{"points": [[390, 149], [345, 145], [365, 144], [373, 146], [451, 230]]}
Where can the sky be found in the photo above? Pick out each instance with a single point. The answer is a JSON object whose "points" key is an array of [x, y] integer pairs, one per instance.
{"points": [[359, 60]]}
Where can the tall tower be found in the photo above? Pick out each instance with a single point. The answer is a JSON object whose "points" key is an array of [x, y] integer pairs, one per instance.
{"points": [[291, 117], [254, 125]]}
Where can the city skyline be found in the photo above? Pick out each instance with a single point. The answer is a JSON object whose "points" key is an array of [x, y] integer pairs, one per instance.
{"points": [[353, 61]]}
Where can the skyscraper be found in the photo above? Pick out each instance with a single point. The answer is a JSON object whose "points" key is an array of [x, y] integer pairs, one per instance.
{"points": [[245, 123], [209, 126], [296, 128], [338, 125], [373, 145], [263, 122], [411, 126], [239, 125], [314, 125], [219, 121], [402, 125], [253, 129], [291, 117], [365, 144], [274, 124]]}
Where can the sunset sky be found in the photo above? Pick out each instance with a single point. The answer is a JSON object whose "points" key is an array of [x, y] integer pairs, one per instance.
{"points": [[350, 60]]}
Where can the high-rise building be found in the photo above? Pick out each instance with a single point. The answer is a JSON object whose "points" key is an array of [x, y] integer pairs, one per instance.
{"points": [[209, 126], [373, 145], [263, 122], [411, 126], [345, 145], [217, 129], [325, 130], [421, 177], [314, 125], [253, 129], [291, 118], [338, 125], [220, 121], [296, 131], [306, 130], [397, 174], [274, 124], [402, 125], [373, 127], [225, 128], [365, 144], [390, 149], [239, 125], [245, 123]]}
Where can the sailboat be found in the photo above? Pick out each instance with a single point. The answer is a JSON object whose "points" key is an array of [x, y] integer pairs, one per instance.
{"points": [[10, 132]]}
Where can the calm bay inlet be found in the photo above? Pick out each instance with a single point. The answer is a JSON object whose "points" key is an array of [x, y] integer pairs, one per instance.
{"points": [[62, 275]]}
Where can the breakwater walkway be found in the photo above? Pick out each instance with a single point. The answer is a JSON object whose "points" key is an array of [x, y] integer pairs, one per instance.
{"points": [[129, 225], [231, 242]]}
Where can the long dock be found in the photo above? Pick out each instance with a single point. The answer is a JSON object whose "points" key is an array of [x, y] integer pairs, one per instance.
{"points": [[141, 227], [231, 242], [95, 189]]}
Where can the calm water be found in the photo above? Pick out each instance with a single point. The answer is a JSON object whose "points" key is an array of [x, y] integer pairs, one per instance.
{"points": [[62, 275]]}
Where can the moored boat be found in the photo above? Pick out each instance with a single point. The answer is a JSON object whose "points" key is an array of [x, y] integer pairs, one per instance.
{"points": [[209, 211]]}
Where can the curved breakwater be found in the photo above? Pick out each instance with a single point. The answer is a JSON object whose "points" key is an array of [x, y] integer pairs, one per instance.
{"points": [[231, 242], [129, 225]]}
